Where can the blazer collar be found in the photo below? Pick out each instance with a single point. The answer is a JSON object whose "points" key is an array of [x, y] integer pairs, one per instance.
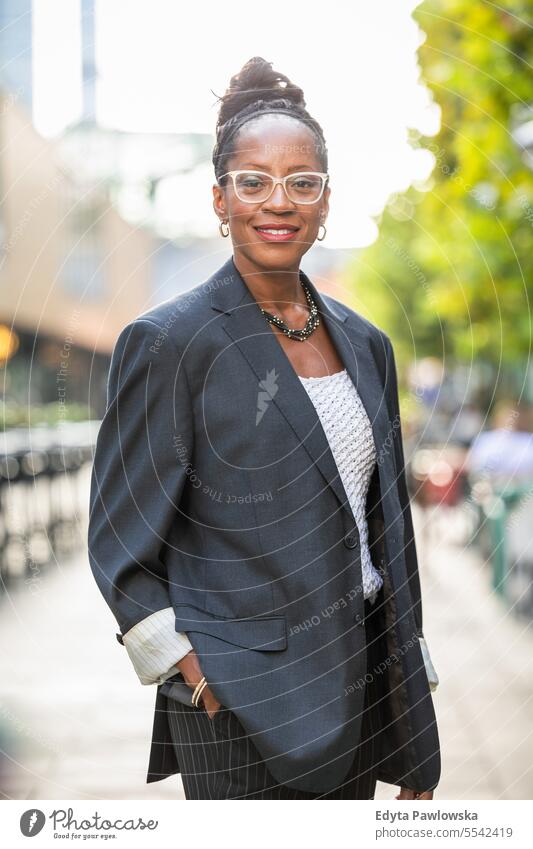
{"points": [[257, 342], [230, 291]]}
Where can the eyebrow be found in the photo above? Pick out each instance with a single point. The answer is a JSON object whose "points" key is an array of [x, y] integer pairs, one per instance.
{"points": [[264, 167]]}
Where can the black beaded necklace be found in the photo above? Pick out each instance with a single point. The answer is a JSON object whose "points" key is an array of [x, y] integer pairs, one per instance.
{"points": [[310, 325]]}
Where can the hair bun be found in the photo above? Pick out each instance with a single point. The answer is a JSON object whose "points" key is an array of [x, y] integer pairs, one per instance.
{"points": [[254, 82], [257, 90]]}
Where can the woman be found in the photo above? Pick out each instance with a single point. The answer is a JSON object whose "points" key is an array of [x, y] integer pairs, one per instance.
{"points": [[250, 526]]}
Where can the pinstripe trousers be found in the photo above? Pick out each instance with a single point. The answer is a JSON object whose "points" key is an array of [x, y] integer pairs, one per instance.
{"points": [[219, 761]]}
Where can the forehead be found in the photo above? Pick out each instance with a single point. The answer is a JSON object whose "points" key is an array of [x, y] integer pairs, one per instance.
{"points": [[276, 140]]}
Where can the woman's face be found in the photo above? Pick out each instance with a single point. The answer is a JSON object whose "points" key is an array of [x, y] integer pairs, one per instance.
{"points": [[279, 145]]}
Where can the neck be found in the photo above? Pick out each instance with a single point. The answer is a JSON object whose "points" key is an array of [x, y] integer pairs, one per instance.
{"points": [[276, 291]]}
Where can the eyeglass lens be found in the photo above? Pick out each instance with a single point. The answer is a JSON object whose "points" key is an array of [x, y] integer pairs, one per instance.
{"points": [[302, 188]]}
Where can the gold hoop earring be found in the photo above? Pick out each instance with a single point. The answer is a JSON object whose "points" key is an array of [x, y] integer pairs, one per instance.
{"points": [[321, 238], [220, 226]]}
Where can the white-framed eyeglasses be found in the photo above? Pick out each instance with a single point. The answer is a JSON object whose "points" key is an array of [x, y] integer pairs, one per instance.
{"points": [[257, 186]]}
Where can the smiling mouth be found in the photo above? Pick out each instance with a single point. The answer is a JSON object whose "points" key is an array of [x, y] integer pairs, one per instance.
{"points": [[277, 234]]}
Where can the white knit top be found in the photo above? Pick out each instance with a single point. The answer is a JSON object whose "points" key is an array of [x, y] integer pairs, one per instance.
{"points": [[349, 433]]}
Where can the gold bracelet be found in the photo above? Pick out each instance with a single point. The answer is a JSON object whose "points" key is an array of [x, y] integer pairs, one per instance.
{"points": [[202, 688], [200, 682], [200, 691]]}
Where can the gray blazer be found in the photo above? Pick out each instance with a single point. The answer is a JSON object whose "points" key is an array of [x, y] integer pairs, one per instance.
{"points": [[214, 491]]}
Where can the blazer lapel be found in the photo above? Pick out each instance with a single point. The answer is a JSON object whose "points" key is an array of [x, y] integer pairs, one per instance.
{"points": [[256, 340]]}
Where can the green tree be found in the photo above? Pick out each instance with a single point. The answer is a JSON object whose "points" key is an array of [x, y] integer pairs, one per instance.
{"points": [[452, 270]]}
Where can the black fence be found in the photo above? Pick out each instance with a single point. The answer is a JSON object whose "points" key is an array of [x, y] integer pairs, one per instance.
{"points": [[44, 475]]}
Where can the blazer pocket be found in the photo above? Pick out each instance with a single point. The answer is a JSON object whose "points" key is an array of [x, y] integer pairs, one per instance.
{"points": [[257, 633]]}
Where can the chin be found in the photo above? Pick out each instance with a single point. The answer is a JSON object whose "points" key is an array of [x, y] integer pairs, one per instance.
{"points": [[277, 257]]}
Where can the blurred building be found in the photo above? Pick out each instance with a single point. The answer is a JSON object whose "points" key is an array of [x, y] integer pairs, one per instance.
{"points": [[72, 270], [96, 226], [88, 60], [16, 65]]}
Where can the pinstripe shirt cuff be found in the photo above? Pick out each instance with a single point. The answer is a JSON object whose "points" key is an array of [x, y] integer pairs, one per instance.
{"points": [[154, 646]]}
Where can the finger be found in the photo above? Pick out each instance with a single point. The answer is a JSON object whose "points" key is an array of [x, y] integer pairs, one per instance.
{"points": [[427, 794], [211, 702]]}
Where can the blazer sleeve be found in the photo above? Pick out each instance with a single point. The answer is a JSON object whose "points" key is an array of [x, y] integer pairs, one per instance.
{"points": [[137, 479], [410, 553]]}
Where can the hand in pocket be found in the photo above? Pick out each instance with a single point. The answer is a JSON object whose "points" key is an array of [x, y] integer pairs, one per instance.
{"points": [[210, 702], [192, 673]]}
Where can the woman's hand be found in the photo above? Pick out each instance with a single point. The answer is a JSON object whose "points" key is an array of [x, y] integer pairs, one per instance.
{"points": [[192, 673], [209, 701], [405, 793]]}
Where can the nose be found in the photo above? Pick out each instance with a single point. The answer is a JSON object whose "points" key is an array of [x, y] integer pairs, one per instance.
{"points": [[278, 200]]}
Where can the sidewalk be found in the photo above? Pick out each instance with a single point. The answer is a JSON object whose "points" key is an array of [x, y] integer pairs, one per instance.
{"points": [[83, 721], [82, 718], [484, 658]]}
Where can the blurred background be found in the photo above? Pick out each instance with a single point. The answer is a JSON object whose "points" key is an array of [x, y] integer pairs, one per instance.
{"points": [[107, 115]]}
